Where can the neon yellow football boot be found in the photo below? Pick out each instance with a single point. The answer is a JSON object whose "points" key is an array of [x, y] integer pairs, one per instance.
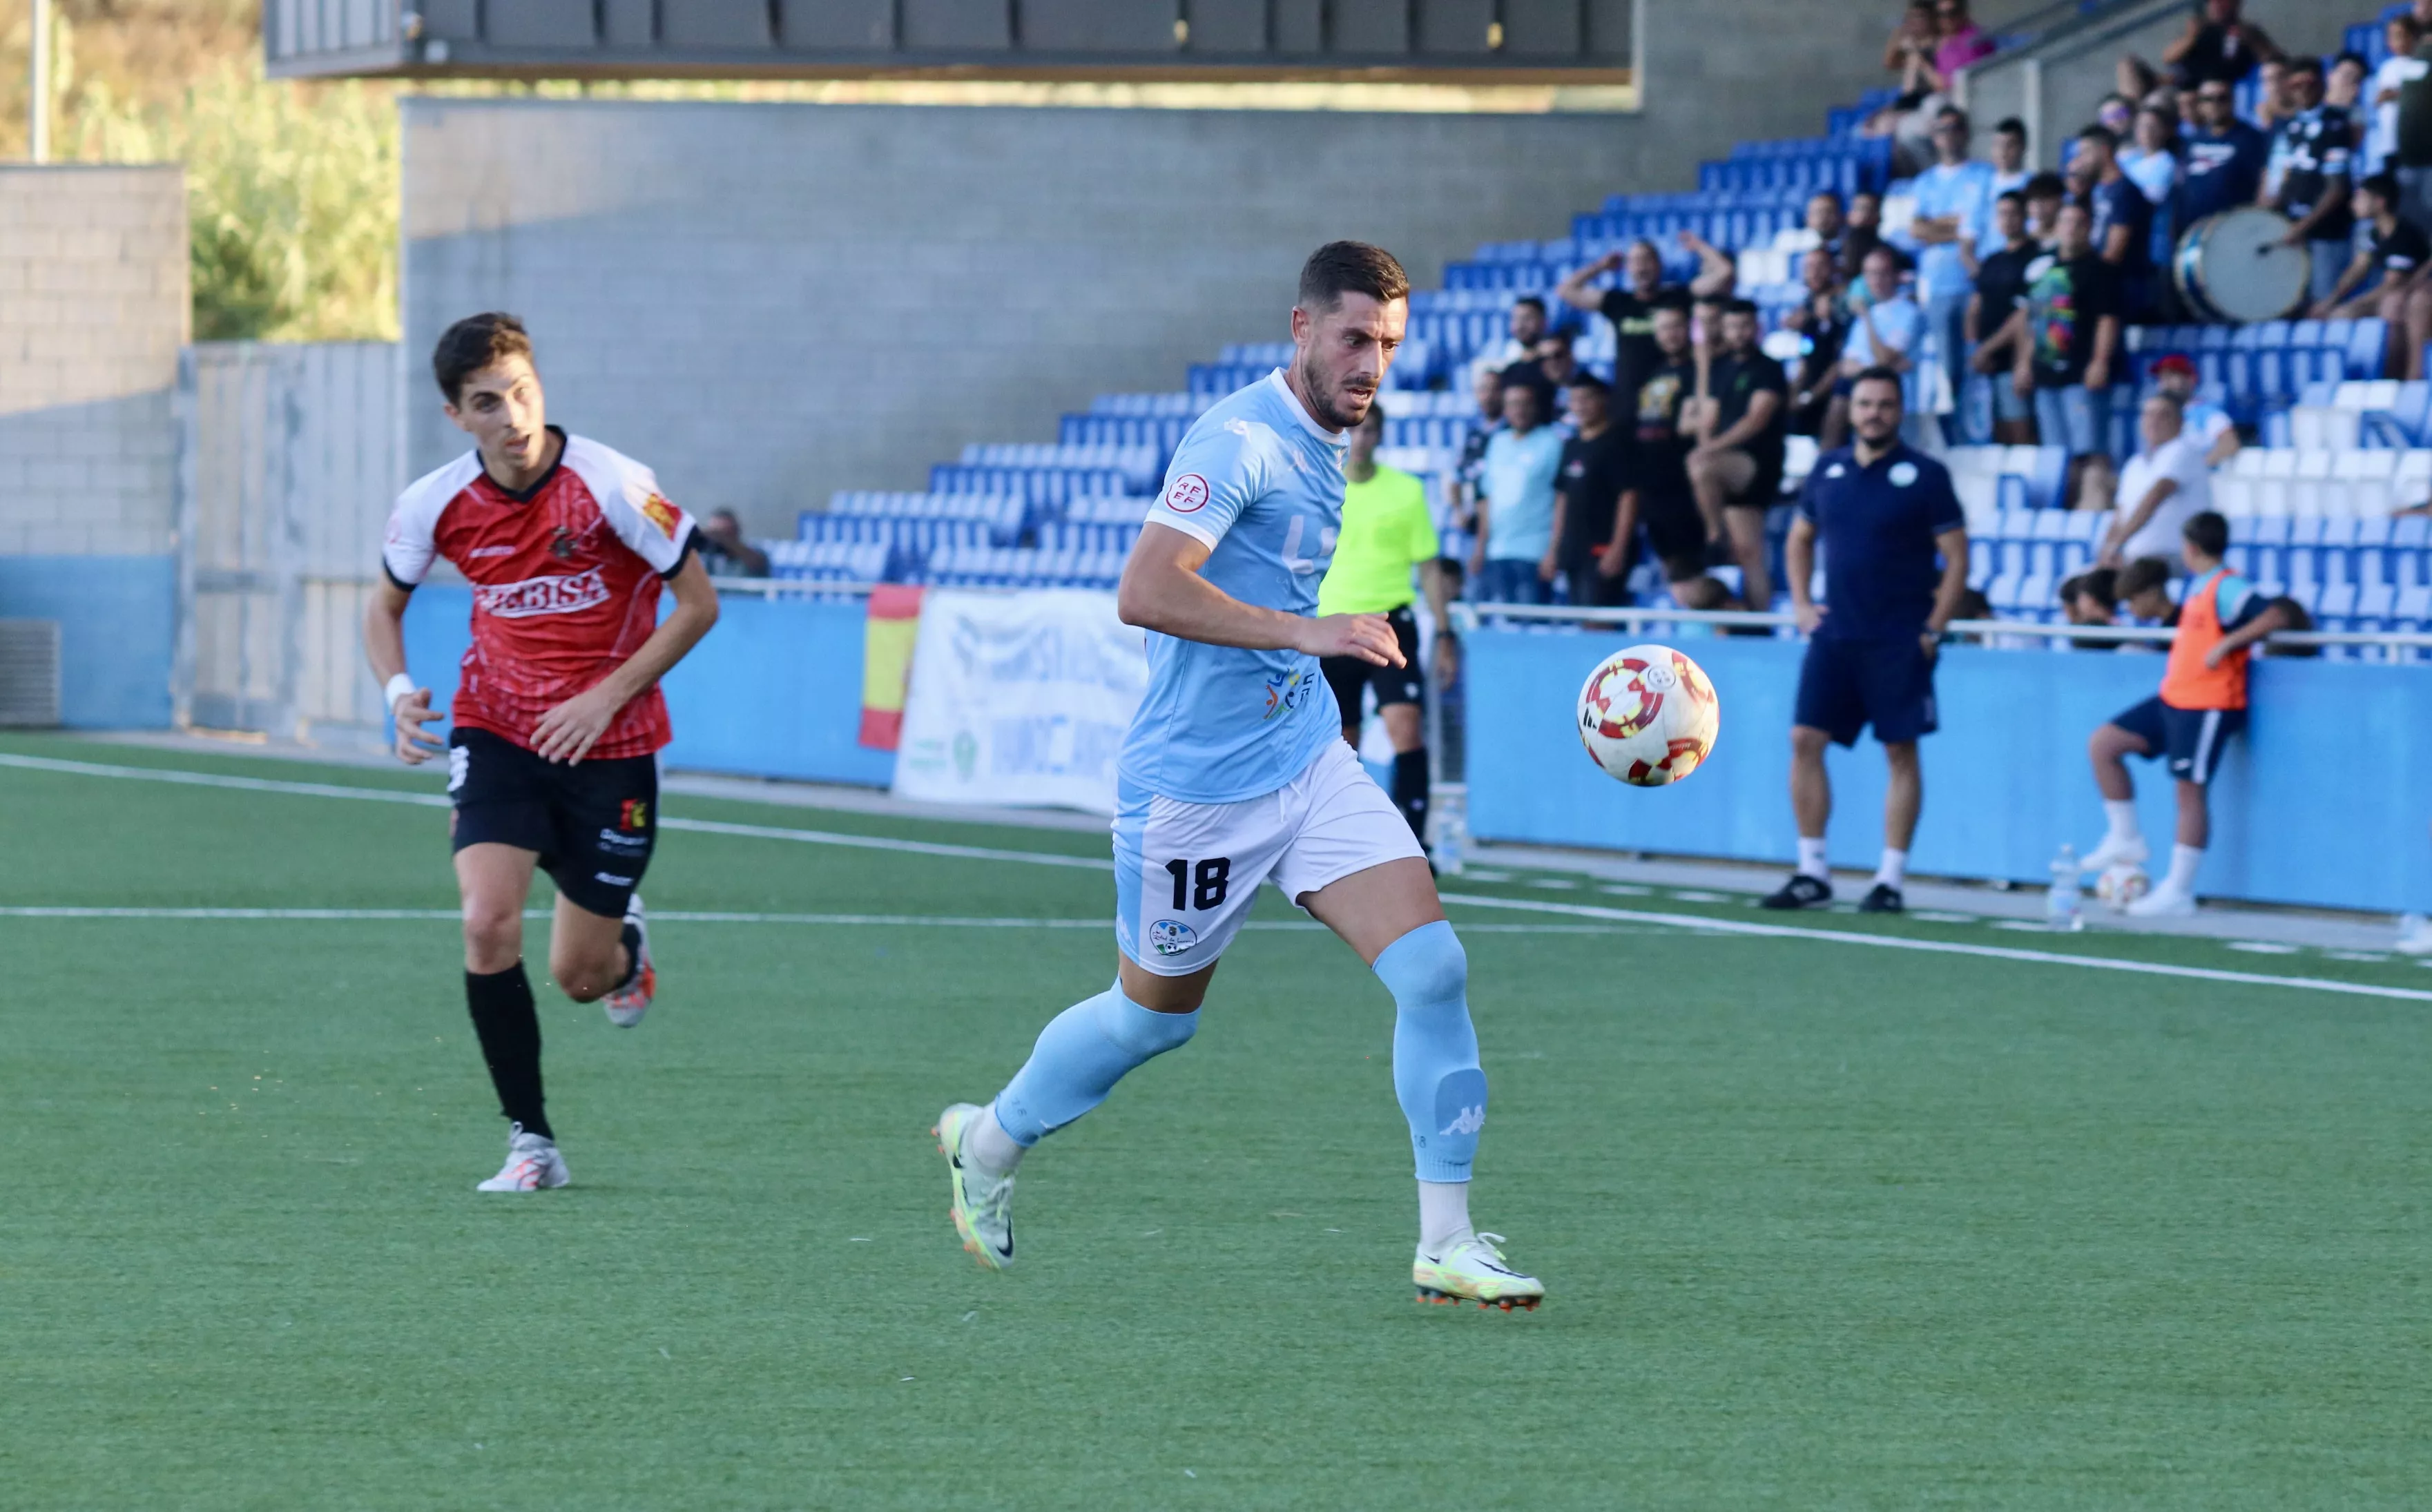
{"points": [[1472, 1268], [982, 1205]]}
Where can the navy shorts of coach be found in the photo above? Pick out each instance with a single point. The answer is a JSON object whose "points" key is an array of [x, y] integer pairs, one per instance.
{"points": [[592, 823], [1875, 526]]}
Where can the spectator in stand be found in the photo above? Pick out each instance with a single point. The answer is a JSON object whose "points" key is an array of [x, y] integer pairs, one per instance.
{"points": [[1470, 471], [2174, 374], [1526, 329], [1883, 512], [2343, 91], [1959, 43], [2073, 334], [1864, 234], [1821, 321], [2091, 597], [1596, 474], [2306, 178], [1549, 369], [2133, 77], [2011, 169], [1512, 561], [2116, 114], [1666, 504], [1826, 226], [2123, 217], [1953, 200], [1630, 308], [2201, 705], [1889, 325], [2151, 160], [2270, 90], [2166, 484], [1996, 325], [2144, 589], [2220, 44], [2402, 35], [2045, 193], [1736, 468], [1717, 275], [725, 552], [2397, 255], [2224, 155]]}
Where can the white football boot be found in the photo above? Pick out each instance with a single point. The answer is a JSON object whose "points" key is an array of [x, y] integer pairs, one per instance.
{"points": [[2164, 902], [627, 1004], [1472, 1268], [532, 1162], [2115, 851], [982, 1205]]}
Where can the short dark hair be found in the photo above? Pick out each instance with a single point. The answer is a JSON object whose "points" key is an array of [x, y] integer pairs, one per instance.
{"points": [[2011, 194], [1826, 193], [2302, 63], [2405, 19], [2010, 126], [1946, 112], [473, 344], [2358, 58], [2094, 582], [2045, 185], [1879, 374], [2143, 575], [2383, 185], [1562, 335], [1531, 300], [1740, 306], [1592, 384], [2104, 134], [1338, 268], [2207, 532]]}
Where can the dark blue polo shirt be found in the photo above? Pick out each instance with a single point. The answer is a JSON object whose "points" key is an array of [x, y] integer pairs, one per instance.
{"points": [[2224, 171], [1876, 525]]}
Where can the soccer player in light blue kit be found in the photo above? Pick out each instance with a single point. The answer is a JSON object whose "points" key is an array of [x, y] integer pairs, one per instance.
{"points": [[1235, 773]]}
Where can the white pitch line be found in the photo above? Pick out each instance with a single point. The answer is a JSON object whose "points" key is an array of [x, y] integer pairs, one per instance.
{"points": [[713, 916], [1894, 942], [1617, 916]]}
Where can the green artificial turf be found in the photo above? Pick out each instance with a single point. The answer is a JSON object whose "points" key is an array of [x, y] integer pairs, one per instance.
{"points": [[1823, 1225]]}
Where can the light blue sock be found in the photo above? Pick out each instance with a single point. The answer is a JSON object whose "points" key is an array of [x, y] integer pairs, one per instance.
{"points": [[1435, 1051], [1079, 1058]]}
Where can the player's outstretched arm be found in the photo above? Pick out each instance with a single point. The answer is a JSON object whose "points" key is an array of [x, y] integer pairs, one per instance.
{"points": [[384, 646], [1162, 590], [568, 733]]}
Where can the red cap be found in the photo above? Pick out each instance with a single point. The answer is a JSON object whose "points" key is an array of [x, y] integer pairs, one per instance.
{"points": [[2176, 363]]}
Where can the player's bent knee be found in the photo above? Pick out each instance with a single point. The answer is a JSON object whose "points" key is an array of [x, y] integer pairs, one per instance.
{"points": [[1426, 966]]}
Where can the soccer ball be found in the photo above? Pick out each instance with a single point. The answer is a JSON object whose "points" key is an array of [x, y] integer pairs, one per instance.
{"points": [[1648, 716], [2122, 885]]}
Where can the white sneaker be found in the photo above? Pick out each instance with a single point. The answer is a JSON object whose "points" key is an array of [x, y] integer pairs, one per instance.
{"points": [[2164, 902], [2115, 851], [983, 1205], [627, 1004], [1472, 1268], [532, 1162], [2414, 935]]}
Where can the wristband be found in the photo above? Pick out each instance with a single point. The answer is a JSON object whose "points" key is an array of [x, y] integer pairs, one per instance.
{"points": [[399, 686]]}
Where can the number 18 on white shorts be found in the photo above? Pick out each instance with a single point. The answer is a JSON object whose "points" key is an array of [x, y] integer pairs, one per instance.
{"points": [[1185, 873]]}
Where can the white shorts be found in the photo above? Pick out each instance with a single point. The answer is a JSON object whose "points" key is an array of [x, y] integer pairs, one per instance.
{"points": [[1185, 873]]}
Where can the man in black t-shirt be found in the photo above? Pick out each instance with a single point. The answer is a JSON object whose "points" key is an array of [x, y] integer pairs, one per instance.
{"points": [[1994, 325], [1630, 308], [1594, 474], [1735, 466], [2072, 333], [1822, 321], [2399, 254], [2306, 176], [1667, 507]]}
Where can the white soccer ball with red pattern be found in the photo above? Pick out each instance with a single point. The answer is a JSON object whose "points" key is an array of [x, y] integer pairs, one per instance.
{"points": [[1648, 716]]}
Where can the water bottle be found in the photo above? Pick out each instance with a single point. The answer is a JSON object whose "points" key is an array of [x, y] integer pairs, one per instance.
{"points": [[1450, 810], [2061, 903]]}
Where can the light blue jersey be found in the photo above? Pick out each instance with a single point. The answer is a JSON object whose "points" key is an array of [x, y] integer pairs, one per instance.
{"points": [[1260, 484]]}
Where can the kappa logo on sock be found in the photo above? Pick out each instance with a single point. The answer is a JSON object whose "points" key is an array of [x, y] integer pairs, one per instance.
{"points": [[1470, 1121]]}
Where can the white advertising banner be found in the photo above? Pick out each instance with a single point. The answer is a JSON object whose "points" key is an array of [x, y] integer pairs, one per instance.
{"points": [[1019, 698]]}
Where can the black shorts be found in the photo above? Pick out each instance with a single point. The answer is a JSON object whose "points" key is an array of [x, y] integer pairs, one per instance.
{"points": [[1346, 674], [2189, 739], [1673, 528], [592, 823], [1845, 686]]}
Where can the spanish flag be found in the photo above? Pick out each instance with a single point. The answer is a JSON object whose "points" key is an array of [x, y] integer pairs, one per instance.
{"points": [[894, 622]]}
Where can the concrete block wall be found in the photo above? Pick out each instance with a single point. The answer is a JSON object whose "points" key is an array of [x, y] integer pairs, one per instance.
{"points": [[771, 302], [93, 308]]}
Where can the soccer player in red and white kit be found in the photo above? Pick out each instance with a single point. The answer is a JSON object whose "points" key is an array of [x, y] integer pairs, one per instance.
{"points": [[557, 719]]}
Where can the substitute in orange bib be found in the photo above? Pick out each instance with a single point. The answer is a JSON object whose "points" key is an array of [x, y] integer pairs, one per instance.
{"points": [[552, 763], [2202, 704]]}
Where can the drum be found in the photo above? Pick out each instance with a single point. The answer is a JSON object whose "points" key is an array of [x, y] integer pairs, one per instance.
{"points": [[2234, 266]]}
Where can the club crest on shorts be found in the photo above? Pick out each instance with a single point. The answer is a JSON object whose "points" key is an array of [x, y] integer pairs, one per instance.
{"points": [[633, 814], [1171, 936]]}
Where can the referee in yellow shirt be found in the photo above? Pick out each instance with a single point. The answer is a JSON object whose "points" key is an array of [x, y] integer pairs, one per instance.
{"points": [[1386, 533]]}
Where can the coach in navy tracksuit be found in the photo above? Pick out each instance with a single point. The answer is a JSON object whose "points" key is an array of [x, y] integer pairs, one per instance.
{"points": [[1883, 511]]}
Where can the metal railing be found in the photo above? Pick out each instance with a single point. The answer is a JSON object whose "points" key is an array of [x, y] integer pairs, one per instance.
{"points": [[1467, 616]]}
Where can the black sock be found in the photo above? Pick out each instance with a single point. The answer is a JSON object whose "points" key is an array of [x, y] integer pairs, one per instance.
{"points": [[1410, 789], [632, 935], [509, 1028]]}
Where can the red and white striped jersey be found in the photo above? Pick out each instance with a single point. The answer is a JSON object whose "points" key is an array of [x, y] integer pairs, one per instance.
{"points": [[565, 583]]}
